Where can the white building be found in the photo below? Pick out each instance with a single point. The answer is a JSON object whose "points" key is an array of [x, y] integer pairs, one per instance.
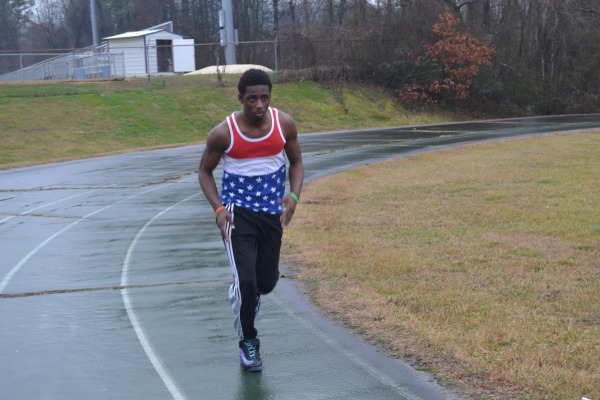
{"points": [[152, 51]]}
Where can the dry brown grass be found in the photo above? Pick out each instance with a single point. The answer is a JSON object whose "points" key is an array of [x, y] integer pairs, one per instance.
{"points": [[481, 263]]}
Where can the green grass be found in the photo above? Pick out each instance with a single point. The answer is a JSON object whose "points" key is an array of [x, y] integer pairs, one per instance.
{"points": [[46, 122]]}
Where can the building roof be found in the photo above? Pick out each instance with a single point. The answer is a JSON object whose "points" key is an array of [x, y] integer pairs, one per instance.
{"points": [[128, 35]]}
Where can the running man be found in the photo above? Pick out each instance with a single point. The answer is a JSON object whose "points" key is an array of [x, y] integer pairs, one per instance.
{"points": [[252, 208]]}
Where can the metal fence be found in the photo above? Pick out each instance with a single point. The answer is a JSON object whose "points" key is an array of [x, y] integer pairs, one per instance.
{"points": [[292, 58], [88, 63], [92, 63]]}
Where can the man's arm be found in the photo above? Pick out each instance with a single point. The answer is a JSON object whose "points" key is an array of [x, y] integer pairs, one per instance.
{"points": [[296, 172], [216, 143]]}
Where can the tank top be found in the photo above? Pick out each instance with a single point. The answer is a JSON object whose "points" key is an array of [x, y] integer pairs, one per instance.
{"points": [[254, 169]]}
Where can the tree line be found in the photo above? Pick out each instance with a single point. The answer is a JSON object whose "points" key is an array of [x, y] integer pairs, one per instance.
{"points": [[498, 57]]}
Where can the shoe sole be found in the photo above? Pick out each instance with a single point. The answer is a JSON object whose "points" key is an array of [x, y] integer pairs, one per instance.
{"points": [[253, 369]]}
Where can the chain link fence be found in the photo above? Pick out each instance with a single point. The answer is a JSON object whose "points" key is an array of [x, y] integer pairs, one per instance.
{"points": [[88, 63], [293, 56]]}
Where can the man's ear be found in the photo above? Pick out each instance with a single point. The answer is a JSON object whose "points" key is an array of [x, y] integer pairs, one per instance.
{"points": [[240, 97]]}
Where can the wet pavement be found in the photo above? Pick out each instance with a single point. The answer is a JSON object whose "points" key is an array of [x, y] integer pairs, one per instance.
{"points": [[113, 281]]}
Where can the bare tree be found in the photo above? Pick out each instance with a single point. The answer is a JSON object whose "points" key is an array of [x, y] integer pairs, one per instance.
{"points": [[14, 15], [48, 25]]}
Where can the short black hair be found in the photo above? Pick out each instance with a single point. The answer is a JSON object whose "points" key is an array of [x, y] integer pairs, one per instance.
{"points": [[253, 77]]}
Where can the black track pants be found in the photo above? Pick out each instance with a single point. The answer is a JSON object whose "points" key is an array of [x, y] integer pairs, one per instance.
{"points": [[254, 257]]}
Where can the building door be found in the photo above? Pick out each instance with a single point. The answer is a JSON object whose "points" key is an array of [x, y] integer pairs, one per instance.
{"points": [[164, 53], [184, 55]]}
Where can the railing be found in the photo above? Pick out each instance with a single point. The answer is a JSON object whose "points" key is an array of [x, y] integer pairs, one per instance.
{"points": [[88, 63]]}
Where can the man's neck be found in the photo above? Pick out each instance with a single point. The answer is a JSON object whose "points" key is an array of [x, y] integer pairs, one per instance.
{"points": [[254, 128]]}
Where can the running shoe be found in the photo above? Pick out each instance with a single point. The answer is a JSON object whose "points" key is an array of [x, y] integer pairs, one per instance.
{"points": [[249, 355]]}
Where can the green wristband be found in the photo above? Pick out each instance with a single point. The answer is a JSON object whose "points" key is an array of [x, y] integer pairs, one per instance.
{"points": [[295, 197]]}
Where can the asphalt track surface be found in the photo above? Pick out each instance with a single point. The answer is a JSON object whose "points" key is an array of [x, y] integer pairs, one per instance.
{"points": [[113, 282]]}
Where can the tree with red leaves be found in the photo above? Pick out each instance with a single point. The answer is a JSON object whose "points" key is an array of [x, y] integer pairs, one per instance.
{"points": [[460, 55]]}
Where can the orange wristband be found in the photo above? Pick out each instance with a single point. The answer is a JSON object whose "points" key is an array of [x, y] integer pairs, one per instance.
{"points": [[219, 209]]}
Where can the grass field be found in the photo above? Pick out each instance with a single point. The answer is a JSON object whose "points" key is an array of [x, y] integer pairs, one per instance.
{"points": [[481, 263]]}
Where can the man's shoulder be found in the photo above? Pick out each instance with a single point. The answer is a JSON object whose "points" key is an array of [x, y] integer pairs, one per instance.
{"points": [[221, 128], [283, 114], [286, 120], [219, 135]]}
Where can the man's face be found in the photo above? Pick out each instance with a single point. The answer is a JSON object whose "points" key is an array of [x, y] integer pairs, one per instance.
{"points": [[256, 101]]}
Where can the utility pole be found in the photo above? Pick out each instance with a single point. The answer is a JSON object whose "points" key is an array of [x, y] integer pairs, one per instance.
{"points": [[228, 38], [94, 23]]}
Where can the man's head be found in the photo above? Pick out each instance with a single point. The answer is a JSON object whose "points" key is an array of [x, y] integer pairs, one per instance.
{"points": [[254, 92], [253, 77]]}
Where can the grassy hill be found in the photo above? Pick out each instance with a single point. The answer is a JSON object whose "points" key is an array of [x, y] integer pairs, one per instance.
{"points": [[46, 122]]}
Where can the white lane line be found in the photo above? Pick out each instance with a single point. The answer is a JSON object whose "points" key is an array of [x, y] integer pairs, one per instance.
{"points": [[48, 205], [20, 264], [154, 359], [375, 373]]}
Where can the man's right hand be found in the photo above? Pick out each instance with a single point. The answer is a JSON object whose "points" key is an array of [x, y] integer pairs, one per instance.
{"points": [[223, 218]]}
